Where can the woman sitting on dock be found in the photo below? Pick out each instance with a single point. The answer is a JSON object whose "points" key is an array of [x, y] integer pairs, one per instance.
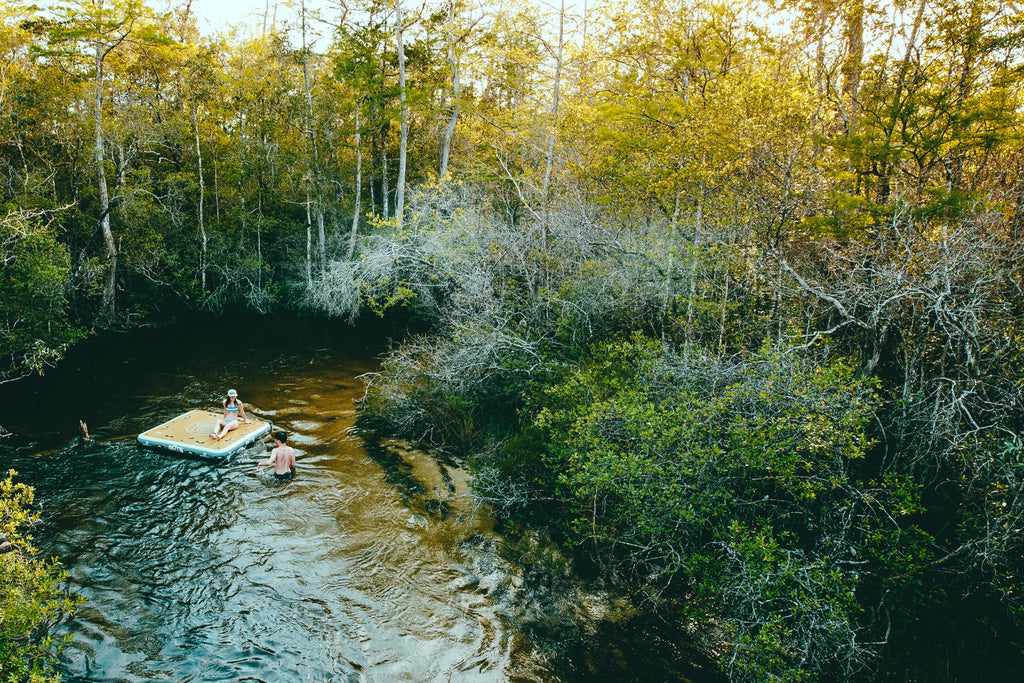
{"points": [[233, 412]]}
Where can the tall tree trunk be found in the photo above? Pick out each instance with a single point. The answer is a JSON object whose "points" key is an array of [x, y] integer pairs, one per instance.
{"points": [[373, 195], [385, 190], [314, 162], [723, 319], [901, 79], [972, 44], [885, 168], [202, 200], [269, 16], [110, 281], [216, 187], [550, 154], [819, 62], [308, 266], [453, 64], [853, 65], [359, 183], [854, 62], [404, 135], [666, 302], [695, 251], [259, 243], [321, 237]]}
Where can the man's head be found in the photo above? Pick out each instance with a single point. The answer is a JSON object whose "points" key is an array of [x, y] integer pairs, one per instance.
{"points": [[280, 436]]}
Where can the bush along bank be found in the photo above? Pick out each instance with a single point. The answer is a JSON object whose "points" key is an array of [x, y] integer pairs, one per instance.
{"points": [[799, 509], [32, 594]]}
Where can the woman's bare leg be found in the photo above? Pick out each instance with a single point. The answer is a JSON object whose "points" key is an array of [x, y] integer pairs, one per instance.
{"points": [[226, 427]]}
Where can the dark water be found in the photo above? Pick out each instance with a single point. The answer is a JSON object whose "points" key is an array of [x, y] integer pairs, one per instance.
{"points": [[369, 566]]}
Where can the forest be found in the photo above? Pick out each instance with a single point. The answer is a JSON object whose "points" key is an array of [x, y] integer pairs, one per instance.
{"points": [[726, 297]]}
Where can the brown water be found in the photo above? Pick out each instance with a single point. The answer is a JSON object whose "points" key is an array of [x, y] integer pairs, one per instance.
{"points": [[372, 565]]}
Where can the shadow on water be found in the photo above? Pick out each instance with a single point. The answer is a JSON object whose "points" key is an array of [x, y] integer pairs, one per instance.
{"points": [[424, 479]]}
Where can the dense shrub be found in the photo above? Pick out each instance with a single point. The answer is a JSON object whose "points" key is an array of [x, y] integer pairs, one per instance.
{"points": [[729, 484], [815, 517], [31, 595], [509, 310]]}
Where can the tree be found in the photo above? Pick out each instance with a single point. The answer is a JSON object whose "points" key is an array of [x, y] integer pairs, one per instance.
{"points": [[314, 185], [936, 115], [362, 61], [104, 29], [453, 67], [35, 328], [549, 155], [404, 134], [358, 183]]}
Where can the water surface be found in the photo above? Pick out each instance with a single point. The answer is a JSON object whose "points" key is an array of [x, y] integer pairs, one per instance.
{"points": [[372, 565]]}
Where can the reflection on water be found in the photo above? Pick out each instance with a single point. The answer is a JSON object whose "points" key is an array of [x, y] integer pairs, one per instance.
{"points": [[361, 569]]}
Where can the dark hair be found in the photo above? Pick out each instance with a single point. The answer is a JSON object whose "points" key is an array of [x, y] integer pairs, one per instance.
{"points": [[281, 436]]}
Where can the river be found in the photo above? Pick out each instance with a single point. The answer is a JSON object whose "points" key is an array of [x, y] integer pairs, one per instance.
{"points": [[372, 565]]}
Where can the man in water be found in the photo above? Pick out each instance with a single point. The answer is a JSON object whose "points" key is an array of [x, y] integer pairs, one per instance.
{"points": [[282, 458]]}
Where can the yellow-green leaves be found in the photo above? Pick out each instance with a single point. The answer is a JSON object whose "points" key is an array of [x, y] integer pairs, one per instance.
{"points": [[31, 594]]}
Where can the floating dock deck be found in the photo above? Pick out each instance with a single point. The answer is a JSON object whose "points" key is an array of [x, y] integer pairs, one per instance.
{"points": [[190, 433]]}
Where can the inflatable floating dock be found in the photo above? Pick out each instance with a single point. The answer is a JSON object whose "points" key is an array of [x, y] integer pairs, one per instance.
{"points": [[190, 433]]}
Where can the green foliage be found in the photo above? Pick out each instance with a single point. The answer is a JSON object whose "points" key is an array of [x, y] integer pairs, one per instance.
{"points": [[34, 272], [731, 480], [32, 598], [852, 186]]}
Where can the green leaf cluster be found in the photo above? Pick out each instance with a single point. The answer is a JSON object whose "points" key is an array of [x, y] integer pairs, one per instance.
{"points": [[730, 484], [32, 595], [34, 273]]}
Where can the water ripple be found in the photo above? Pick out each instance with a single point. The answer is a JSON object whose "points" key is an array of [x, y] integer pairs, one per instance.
{"points": [[207, 570], [210, 570]]}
